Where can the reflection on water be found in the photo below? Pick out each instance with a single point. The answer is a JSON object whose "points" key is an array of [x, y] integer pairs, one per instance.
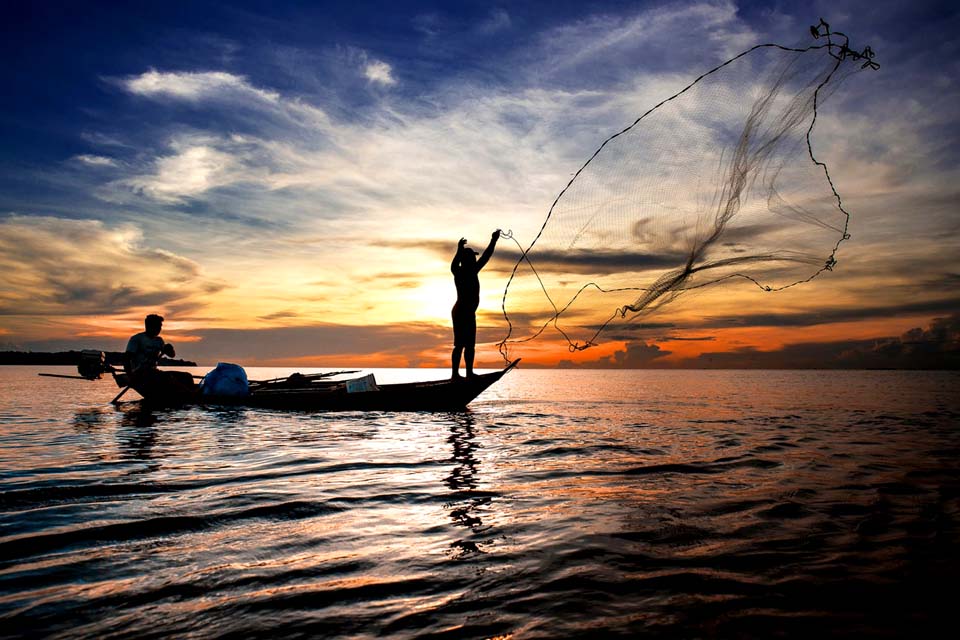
{"points": [[563, 504], [137, 435], [89, 418], [466, 504], [228, 417]]}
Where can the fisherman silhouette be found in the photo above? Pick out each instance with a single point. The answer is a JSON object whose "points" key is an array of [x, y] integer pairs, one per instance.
{"points": [[145, 349], [143, 354], [465, 267]]}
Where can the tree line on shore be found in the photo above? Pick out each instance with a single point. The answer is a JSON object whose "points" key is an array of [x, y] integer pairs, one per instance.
{"points": [[72, 358]]}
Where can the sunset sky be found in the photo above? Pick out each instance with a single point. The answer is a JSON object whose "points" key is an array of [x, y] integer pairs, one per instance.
{"points": [[286, 182]]}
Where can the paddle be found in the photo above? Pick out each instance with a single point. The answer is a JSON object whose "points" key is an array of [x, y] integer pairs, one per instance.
{"points": [[119, 395], [310, 377], [57, 375]]}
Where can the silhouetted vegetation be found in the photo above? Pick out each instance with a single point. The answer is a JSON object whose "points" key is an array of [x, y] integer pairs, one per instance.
{"points": [[72, 358]]}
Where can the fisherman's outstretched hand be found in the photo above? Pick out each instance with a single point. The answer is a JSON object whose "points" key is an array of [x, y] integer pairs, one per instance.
{"points": [[495, 234]]}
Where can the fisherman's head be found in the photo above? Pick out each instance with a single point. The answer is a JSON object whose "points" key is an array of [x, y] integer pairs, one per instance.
{"points": [[152, 323], [468, 256]]}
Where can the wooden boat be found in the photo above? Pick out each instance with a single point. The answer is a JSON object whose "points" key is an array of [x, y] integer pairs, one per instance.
{"points": [[304, 393]]}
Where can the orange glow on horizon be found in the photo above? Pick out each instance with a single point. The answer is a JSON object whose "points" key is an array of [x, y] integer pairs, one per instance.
{"points": [[767, 339]]}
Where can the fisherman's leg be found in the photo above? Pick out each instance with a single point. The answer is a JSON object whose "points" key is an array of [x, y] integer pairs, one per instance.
{"points": [[468, 352], [455, 361]]}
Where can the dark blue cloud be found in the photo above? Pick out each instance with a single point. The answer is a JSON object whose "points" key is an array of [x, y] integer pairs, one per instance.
{"points": [[58, 58]]}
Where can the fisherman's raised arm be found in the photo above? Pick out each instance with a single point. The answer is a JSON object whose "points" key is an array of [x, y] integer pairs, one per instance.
{"points": [[489, 250], [456, 257]]}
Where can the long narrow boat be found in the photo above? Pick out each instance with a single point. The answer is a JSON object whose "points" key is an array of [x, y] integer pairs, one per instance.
{"points": [[327, 395]]}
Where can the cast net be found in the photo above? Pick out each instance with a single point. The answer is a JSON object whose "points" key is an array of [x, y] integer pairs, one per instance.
{"points": [[716, 184]]}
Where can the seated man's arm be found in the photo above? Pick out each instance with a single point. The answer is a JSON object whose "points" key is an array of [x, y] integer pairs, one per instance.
{"points": [[129, 355]]}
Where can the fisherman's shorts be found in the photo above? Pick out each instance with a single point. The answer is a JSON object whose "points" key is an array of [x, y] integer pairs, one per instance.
{"points": [[464, 327]]}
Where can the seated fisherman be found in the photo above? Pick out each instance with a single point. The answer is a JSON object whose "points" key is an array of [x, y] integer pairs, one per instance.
{"points": [[145, 349], [140, 360]]}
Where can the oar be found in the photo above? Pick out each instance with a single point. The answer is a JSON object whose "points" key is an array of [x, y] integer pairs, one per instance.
{"points": [[57, 375], [119, 395], [304, 377]]}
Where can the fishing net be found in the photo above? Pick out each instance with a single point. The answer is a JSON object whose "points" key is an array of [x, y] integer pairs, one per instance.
{"points": [[716, 184]]}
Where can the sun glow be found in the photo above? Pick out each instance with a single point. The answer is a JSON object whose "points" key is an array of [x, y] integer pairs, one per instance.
{"points": [[431, 301]]}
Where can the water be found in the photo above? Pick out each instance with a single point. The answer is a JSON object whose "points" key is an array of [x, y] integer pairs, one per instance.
{"points": [[563, 504]]}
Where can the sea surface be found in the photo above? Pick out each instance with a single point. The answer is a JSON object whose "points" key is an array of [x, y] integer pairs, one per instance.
{"points": [[563, 504]]}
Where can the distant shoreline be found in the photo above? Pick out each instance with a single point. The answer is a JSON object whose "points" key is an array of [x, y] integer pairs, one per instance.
{"points": [[71, 358]]}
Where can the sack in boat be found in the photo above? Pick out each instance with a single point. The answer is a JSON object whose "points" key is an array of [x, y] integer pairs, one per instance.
{"points": [[359, 385], [226, 380]]}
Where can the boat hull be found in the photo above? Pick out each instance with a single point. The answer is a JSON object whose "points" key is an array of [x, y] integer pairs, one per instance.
{"points": [[437, 395]]}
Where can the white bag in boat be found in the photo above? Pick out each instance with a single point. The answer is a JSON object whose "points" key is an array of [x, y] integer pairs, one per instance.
{"points": [[226, 380]]}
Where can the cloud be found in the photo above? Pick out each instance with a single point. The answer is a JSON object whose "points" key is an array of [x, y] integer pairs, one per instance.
{"points": [[193, 86], [937, 347], [200, 88], [62, 267], [101, 139], [429, 24], [95, 161], [379, 72], [635, 355], [635, 327], [195, 166], [398, 164], [286, 314], [498, 20], [673, 36], [467, 150], [595, 262], [464, 148], [574, 261], [826, 315]]}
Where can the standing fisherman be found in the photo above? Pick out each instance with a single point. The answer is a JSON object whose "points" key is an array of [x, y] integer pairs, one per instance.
{"points": [[465, 267]]}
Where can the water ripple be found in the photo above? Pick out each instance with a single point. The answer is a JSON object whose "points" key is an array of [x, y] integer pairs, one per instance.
{"points": [[671, 504]]}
